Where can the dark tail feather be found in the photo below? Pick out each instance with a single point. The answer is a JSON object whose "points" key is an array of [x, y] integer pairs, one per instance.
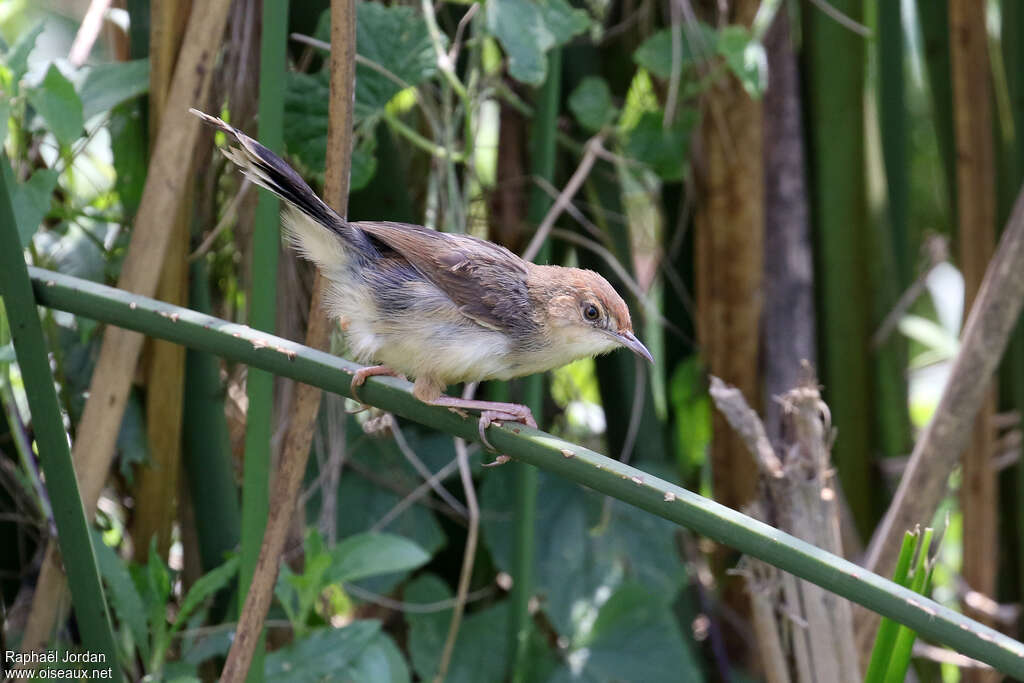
{"points": [[271, 172]]}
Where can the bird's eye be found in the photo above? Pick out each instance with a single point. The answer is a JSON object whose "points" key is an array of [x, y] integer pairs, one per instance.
{"points": [[590, 312]]}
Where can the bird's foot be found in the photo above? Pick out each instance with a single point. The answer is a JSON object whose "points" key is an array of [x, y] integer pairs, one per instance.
{"points": [[491, 412], [360, 375]]}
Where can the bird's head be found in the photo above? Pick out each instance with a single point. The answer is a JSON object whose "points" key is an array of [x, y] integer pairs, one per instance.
{"points": [[584, 315]]}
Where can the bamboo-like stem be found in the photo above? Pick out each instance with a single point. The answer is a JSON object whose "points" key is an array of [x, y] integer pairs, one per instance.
{"points": [[54, 454], [239, 343], [297, 440]]}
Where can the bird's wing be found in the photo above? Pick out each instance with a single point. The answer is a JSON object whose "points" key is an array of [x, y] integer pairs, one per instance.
{"points": [[486, 281]]}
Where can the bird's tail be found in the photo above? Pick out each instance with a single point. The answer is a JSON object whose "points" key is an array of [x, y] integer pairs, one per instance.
{"points": [[310, 216]]}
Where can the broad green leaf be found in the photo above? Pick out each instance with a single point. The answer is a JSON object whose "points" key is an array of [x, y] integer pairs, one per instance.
{"points": [[610, 544], [112, 83], [931, 335], [635, 637], [364, 163], [124, 598], [215, 644], [129, 146], [591, 103], [380, 661], [16, 58], [323, 655], [30, 199], [527, 29], [374, 554], [745, 58], [132, 438], [691, 406], [665, 150], [395, 38], [655, 53], [74, 252], [305, 131], [57, 102], [204, 587], [5, 115], [481, 647]]}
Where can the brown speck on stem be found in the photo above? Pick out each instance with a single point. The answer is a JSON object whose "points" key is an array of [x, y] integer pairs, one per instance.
{"points": [[133, 305], [669, 496], [567, 453], [50, 283], [174, 317], [637, 480], [259, 344]]}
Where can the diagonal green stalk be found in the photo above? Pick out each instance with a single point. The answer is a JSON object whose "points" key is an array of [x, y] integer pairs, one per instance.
{"points": [[239, 343], [73, 535], [263, 310]]}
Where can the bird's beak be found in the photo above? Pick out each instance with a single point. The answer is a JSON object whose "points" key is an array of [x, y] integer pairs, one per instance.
{"points": [[629, 340]]}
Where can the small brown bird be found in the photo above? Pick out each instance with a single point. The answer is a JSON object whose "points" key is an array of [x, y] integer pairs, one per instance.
{"points": [[439, 307]]}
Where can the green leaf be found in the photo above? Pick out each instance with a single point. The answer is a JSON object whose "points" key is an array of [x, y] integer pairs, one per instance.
{"points": [[112, 83], [73, 253], [305, 131], [324, 655], [527, 29], [691, 406], [7, 354], [481, 647], [132, 438], [381, 661], [5, 115], [665, 150], [931, 335], [635, 637], [397, 39], [611, 544], [16, 58], [373, 554], [30, 200], [364, 163], [207, 585], [57, 102], [745, 58], [124, 598], [129, 146], [655, 53], [591, 103]]}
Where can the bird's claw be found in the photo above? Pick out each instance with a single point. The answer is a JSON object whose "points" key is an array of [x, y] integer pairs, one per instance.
{"points": [[496, 417], [359, 377]]}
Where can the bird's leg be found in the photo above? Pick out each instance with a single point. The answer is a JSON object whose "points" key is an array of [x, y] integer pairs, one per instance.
{"points": [[491, 412], [359, 378]]}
